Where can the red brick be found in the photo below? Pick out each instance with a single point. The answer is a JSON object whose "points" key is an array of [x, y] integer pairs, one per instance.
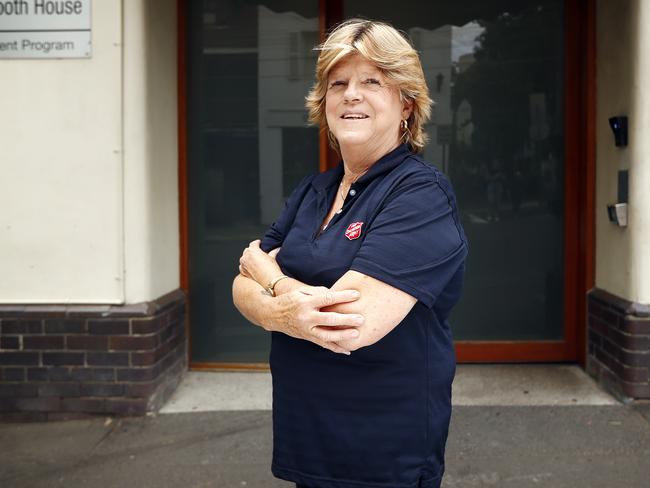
{"points": [[59, 373], [127, 406], [603, 358], [107, 358], [87, 342], [14, 390], [133, 343], [630, 358], [7, 405], [149, 325], [612, 349], [138, 374], [62, 358], [168, 332], [638, 391], [19, 358], [42, 342], [93, 374], [59, 390], [144, 358], [594, 338], [42, 404], [144, 390], [610, 317], [177, 315], [634, 375], [14, 374], [65, 326], [97, 405], [27, 326], [11, 342], [108, 326], [595, 308], [632, 342], [37, 374], [168, 361], [635, 325], [102, 389]]}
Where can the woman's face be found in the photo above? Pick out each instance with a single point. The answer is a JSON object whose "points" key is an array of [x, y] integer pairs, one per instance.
{"points": [[361, 108]]}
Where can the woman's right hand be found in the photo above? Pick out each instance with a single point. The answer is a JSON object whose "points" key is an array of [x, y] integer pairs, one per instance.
{"points": [[298, 314]]}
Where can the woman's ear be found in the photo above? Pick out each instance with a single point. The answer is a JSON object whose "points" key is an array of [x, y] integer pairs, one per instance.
{"points": [[407, 108]]}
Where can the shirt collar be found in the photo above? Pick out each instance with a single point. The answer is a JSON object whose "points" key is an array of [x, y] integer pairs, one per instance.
{"points": [[381, 166]]}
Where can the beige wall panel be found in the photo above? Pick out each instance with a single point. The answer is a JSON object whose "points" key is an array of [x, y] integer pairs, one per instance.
{"points": [[623, 75], [61, 226], [640, 158], [151, 151]]}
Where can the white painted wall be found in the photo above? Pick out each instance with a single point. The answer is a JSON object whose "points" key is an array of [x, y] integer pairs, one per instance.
{"points": [[89, 164], [61, 237], [151, 244], [623, 77]]}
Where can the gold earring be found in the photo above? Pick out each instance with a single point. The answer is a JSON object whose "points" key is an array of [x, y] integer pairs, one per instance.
{"points": [[406, 134]]}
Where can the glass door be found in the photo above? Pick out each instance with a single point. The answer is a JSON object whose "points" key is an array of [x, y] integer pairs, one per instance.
{"points": [[496, 71], [499, 72], [250, 64]]}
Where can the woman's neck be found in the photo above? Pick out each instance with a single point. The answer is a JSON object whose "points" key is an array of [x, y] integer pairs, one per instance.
{"points": [[357, 160]]}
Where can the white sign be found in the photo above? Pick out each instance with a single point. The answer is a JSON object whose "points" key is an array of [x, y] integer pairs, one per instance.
{"points": [[45, 29]]}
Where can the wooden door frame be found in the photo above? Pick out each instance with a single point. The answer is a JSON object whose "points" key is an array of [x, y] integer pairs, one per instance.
{"points": [[579, 194]]}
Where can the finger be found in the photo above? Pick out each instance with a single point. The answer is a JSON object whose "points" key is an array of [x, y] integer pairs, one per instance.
{"points": [[333, 297], [333, 347], [273, 253], [335, 335], [332, 319], [314, 290], [255, 244]]}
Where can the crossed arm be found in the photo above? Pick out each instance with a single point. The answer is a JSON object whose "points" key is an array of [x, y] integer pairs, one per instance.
{"points": [[327, 317]]}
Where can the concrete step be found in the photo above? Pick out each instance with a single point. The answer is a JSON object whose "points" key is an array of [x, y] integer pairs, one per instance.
{"points": [[474, 385]]}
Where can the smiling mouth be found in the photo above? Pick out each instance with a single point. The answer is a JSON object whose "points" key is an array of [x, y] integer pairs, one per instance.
{"points": [[354, 117]]}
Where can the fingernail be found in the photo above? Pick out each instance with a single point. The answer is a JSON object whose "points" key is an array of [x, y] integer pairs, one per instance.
{"points": [[355, 333], [360, 319], [356, 294], [347, 353]]}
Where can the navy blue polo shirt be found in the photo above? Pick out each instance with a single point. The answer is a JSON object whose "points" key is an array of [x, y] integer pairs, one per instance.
{"points": [[377, 418]]}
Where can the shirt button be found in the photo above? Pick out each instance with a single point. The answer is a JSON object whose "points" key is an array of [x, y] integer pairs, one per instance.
{"points": [[353, 192]]}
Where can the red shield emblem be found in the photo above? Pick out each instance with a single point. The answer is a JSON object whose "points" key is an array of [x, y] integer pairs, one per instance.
{"points": [[354, 230]]}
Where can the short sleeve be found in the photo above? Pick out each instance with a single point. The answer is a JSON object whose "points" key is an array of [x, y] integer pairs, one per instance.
{"points": [[415, 243], [275, 234]]}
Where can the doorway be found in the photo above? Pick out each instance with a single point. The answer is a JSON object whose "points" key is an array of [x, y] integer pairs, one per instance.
{"points": [[503, 128]]}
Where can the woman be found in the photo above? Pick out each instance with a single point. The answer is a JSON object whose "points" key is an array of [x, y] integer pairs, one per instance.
{"points": [[366, 261]]}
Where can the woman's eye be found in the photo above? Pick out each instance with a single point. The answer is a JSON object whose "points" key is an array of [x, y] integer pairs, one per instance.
{"points": [[337, 83], [372, 81]]}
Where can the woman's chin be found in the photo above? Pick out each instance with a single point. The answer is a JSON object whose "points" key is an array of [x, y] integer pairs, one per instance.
{"points": [[351, 141]]}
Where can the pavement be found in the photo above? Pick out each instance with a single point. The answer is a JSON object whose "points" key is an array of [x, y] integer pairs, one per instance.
{"points": [[512, 426]]}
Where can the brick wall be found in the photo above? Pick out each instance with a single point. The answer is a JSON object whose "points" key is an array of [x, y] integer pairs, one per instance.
{"points": [[619, 345], [72, 361]]}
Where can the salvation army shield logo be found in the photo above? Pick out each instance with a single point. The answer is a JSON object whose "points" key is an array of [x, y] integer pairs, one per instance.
{"points": [[354, 230]]}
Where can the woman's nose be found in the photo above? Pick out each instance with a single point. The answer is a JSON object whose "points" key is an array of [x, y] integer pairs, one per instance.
{"points": [[352, 92]]}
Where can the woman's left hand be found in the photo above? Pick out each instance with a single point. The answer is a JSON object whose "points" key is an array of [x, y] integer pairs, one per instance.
{"points": [[258, 265]]}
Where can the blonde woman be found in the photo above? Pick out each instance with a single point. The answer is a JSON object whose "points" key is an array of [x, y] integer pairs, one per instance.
{"points": [[356, 278]]}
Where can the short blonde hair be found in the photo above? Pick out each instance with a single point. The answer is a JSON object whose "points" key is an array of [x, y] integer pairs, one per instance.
{"points": [[386, 48]]}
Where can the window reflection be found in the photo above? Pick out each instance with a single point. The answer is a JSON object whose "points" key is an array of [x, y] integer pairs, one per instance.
{"points": [[495, 71], [250, 65]]}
